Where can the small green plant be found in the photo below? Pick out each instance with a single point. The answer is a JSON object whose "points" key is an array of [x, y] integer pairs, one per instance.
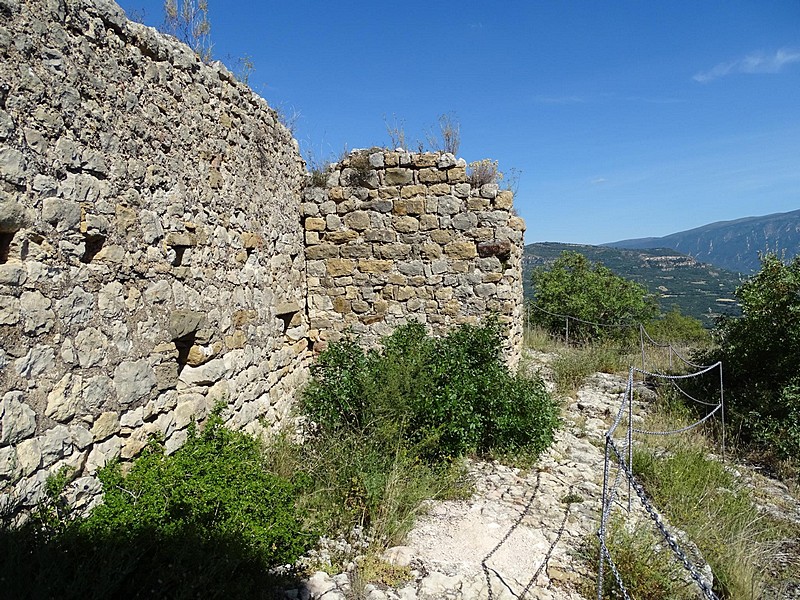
{"points": [[647, 568]]}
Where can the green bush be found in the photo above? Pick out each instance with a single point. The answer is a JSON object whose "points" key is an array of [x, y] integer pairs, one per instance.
{"points": [[576, 287], [760, 352], [208, 521], [675, 327], [447, 397]]}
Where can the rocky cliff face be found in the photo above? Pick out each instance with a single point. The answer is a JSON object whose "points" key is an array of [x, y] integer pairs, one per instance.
{"points": [[733, 245]]}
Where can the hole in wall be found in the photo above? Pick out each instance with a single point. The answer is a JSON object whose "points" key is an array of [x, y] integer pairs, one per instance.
{"points": [[179, 252], [5, 245], [184, 344], [92, 246]]}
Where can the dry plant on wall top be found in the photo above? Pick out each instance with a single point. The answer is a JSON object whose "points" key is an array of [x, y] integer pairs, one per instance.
{"points": [[449, 137], [188, 21]]}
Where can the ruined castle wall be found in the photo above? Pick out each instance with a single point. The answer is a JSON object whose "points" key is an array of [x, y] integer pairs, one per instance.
{"points": [[151, 253], [393, 236]]}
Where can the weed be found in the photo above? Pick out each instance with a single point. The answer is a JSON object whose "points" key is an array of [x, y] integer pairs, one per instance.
{"points": [[482, 172], [448, 138]]}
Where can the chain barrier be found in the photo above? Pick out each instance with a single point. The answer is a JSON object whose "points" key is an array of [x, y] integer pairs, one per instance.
{"points": [[545, 561], [511, 530], [656, 517], [610, 491]]}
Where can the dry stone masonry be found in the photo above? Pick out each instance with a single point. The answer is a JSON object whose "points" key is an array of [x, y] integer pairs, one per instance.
{"points": [[394, 236], [151, 257], [162, 251]]}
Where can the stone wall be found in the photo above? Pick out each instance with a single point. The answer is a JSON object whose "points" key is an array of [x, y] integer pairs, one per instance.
{"points": [[151, 253], [393, 236]]}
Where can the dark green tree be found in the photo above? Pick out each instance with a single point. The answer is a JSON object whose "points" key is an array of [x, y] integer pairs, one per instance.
{"points": [[593, 294], [760, 353]]}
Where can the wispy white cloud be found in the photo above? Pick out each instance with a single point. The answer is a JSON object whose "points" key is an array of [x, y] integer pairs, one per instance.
{"points": [[758, 62], [559, 99], [598, 180]]}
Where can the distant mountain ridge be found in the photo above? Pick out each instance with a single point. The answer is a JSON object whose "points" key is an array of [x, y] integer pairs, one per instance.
{"points": [[700, 290], [732, 245]]}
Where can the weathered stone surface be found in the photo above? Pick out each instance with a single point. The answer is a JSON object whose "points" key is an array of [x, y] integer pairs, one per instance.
{"points": [[106, 425], [207, 374], [64, 399], [92, 347], [38, 360], [183, 322], [17, 417], [76, 308], [97, 391], [36, 313], [9, 310], [133, 380]]}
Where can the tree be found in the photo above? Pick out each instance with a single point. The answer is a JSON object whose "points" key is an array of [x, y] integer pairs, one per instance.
{"points": [[760, 354], [188, 21], [603, 304]]}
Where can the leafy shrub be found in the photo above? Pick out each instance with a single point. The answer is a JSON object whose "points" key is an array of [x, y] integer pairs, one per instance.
{"points": [[675, 327], [576, 287], [208, 521], [446, 396], [760, 352]]}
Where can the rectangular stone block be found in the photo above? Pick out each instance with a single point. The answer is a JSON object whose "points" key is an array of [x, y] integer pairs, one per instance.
{"points": [[409, 206], [439, 189], [432, 176], [409, 191], [322, 251], [336, 267], [457, 175], [340, 237], [398, 176], [315, 224]]}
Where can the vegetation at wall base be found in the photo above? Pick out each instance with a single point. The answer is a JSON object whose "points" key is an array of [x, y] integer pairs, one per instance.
{"points": [[441, 397], [207, 521], [386, 430]]}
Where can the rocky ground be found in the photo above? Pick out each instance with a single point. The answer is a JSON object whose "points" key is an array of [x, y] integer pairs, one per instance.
{"points": [[521, 534]]}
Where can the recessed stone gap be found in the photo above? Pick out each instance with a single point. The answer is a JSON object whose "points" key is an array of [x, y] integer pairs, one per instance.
{"points": [[92, 246], [184, 345], [5, 245], [179, 252]]}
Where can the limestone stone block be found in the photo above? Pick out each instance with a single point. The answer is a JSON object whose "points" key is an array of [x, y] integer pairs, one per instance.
{"points": [[425, 159], [358, 220], [356, 250], [55, 444], [485, 289], [17, 418], [12, 165], [322, 251], [464, 221], [428, 222], [405, 224], [411, 191], [182, 322], [81, 437], [504, 200], [432, 176], [409, 206], [449, 205], [133, 418], [374, 266], [9, 464], [97, 391], [516, 223], [381, 206], [13, 274], [398, 176], [439, 189], [340, 237], [102, 453], [395, 251], [76, 308], [133, 380], [206, 374], [9, 310], [489, 190], [92, 347], [315, 224], [337, 267], [64, 399], [39, 359], [461, 250], [341, 305], [106, 425], [380, 235], [431, 250], [462, 190], [477, 203], [64, 214], [457, 175], [29, 456]]}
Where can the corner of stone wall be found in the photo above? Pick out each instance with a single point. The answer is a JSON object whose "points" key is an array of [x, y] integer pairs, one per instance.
{"points": [[395, 236]]}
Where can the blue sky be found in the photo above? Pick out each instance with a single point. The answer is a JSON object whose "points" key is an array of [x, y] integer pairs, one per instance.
{"points": [[624, 119]]}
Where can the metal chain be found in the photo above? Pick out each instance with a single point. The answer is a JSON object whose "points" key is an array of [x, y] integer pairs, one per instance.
{"points": [[693, 399], [682, 429], [511, 530], [552, 314], [668, 537]]}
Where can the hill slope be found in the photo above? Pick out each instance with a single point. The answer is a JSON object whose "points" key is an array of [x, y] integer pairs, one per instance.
{"points": [[700, 290], [732, 245]]}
